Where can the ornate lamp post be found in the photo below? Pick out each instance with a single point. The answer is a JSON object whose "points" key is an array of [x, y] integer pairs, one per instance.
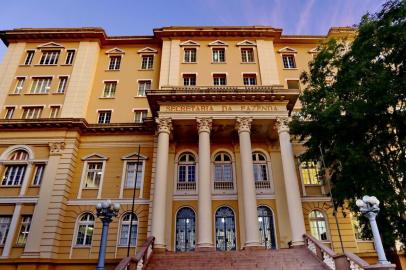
{"points": [[369, 206], [105, 211]]}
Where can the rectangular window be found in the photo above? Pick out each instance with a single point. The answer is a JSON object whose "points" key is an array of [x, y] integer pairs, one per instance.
{"points": [[147, 62], [109, 89], [289, 61], [54, 111], [40, 85], [190, 55], [130, 174], [14, 175], [9, 112], [32, 112], [63, 81], [115, 62], [4, 228], [19, 85], [104, 117], [219, 79], [29, 57], [24, 230], [39, 173], [247, 55], [69, 57], [49, 58], [94, 172], [189, 79], [143, 86], [219, 55], [310, 173], [140, 116], [293, 84], [250, 79]]}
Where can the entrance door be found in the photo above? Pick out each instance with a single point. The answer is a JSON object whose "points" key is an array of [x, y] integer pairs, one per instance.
{"points": [[266, 227], [185, 230], [225, 229]]}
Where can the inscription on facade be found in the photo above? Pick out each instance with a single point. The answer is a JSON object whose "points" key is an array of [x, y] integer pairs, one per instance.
{"points": [[223, 108]]}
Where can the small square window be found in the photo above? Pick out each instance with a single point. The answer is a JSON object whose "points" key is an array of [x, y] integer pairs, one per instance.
{"points": [[189, 79], [219, 55], [115, 62], [288, 61], [104, 117], [109, 89], [140, 116], [143, 86], [219, 79], [250, 79], [147, 62], [247, 55], [190, 55]]}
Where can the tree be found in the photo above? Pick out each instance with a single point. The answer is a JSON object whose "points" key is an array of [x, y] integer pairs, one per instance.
{"points": [[354, 111]]}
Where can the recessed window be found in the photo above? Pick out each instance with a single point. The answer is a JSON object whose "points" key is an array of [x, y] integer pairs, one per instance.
{"points": [[250, 79], [29, 57], [109, 89], [54, 111], [147, 62], [85, 229], [127, 221], [187, 168], [24, 230], [190, 55], [219, 79], [310, 173], [260, 167], [140, 115], [219, 55], [189, 79], [19, 85], [318, 225], [4, 228], [14, 175], [41, 85], [115, 62], [288, 61], [143, 86], [94, 172], [32, 112], [247, 55], [49, 58], [39, 173], [9, 112], [133, 173], [70, 55], [104, 117], [63, 81]]}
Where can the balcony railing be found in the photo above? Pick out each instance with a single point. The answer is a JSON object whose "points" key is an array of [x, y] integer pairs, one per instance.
{"points": [[186, 186], [223, 185], [262, 184]]}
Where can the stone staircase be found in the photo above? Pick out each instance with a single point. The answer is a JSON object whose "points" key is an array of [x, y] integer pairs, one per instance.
{"points": [[282, 259]]}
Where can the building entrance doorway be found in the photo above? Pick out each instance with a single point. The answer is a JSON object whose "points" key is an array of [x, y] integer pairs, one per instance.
{"points": [[266, 227], [185, 230], [225, 229]]}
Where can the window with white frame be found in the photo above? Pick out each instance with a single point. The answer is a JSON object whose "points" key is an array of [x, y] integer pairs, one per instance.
{"points": [[247, 55], [38, 175], [69, 57], [250, 79], [189, 79], [63, 81], [318, 225], [32, 112], [223, 168], [24, 230], [115, 62], [288, 61], [4, 228], [190, 55], [93, 174], [28, 58], [310, 173], [128, 220], [260, 167], [85, 229], [134, 174], [104, 117], [219, 79], [143, 86], [140, 115], [19, 85], [40, 85], [219, 55], [49, 58], [54, 111], [147, 62], [109, 89], [9, 112], [187, 168]]}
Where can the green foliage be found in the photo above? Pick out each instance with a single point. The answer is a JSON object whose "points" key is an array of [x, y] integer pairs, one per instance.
{"points": [[354, 109]]}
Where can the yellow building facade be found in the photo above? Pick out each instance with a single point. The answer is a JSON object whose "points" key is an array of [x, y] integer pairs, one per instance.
{"points": [[192, 120]]}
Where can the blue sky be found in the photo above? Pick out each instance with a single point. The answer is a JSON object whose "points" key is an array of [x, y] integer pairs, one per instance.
{"points": [[139, 17]]}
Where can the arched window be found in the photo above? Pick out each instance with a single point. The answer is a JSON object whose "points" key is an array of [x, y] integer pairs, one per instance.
{"points": [[19, 155], [185, 230], [318, 225], [260, 167], [223, 171], [14, 173], [125, 230], [187, 168], [310, 173], [225, 229], [266, 227], [85, 230]]}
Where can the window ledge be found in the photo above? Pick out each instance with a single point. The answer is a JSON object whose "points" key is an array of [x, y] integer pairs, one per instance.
{"points": [[12, 94], [189, 62], [36, 94], [107, 97], [290, 68], [219, 62], [35, 186], [45, 65], [80, 246], [66, 64], [89, 188], [248, 62], [140, 96], [151, 69], [111, 70], [56, 93], [13, 186]]}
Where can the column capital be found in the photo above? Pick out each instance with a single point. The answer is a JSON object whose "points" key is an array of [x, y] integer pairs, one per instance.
{"points": [[243, 124], [56, 148], [282, 124], [164, 125], [204, 124]]}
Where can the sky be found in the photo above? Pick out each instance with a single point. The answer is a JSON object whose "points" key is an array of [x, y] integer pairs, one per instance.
{"points": [[139, 17]]}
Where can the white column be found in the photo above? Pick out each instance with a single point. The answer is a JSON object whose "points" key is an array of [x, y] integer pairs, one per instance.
{"points": [[160, 183], [12, 230], [249, 193], [204, 211], [291, 183]]}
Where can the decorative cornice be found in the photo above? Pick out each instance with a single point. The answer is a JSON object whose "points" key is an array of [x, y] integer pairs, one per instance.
{"points": [[282, 124], [164, 125], [56, 148], [204, 124], [243, 124]]}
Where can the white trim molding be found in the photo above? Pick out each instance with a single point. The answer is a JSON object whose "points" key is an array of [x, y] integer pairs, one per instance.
{"points": [[189, 43], [218, 43], [246, 43], [147, 50], [115, 51], [287, 50], [50, 45]]}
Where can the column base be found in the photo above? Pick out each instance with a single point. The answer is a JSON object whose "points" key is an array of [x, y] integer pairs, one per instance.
{"points": [[205, 248], [31, 254], [254, 248], [297, 244]]}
